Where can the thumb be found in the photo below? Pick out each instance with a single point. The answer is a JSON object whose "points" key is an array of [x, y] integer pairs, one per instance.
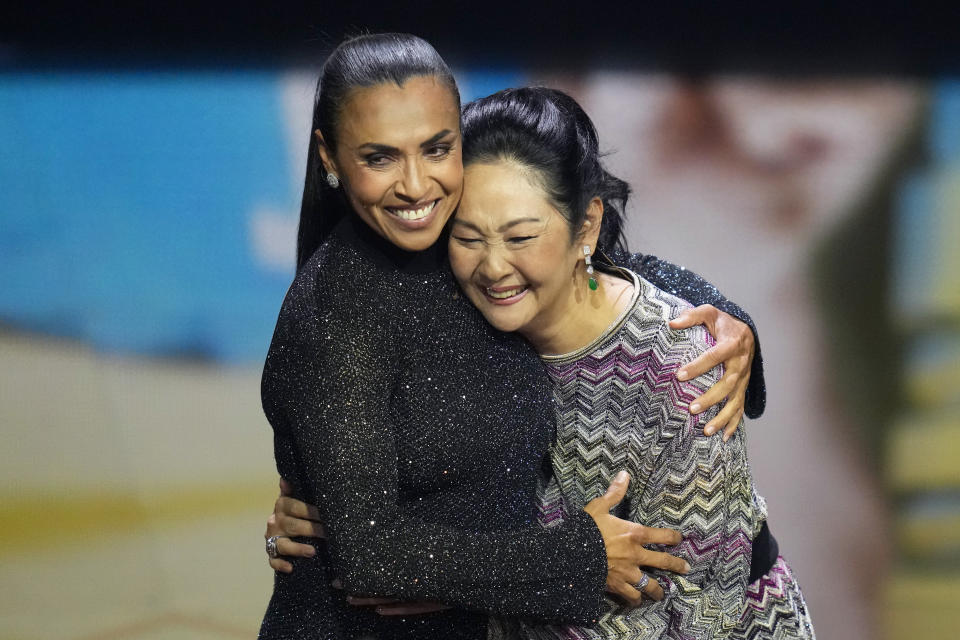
{"points": [[616, 491], [685, 320]]}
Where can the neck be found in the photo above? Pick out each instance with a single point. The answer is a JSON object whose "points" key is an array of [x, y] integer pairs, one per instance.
{"points": [[581, 316]]}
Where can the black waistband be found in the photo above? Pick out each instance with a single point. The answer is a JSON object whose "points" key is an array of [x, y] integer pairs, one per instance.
{"points": [[765, 553]]}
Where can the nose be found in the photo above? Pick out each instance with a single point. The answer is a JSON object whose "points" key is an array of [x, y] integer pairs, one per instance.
{"points": [[494, 265], [413, 181]]}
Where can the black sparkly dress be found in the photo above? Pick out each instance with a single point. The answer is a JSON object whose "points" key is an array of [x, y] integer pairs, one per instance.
{"points": [[419, 431]]}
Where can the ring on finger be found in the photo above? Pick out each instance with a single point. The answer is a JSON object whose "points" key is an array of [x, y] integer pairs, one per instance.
{"points": [[642, 583], [272, 550]]}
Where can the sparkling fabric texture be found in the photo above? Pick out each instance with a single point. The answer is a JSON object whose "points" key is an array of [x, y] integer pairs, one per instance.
{"points": [[620, 407], [419, 431]]}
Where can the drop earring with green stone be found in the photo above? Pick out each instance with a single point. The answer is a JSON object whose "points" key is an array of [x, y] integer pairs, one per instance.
{"points": [[592, 282]]}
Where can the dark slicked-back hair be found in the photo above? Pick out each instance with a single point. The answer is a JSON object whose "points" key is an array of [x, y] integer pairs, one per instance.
{"points": [[361, 61], [547, 132]]}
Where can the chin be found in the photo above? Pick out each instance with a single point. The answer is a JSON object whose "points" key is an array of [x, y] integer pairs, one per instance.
{"points": [[416, 242], [412, 239]]}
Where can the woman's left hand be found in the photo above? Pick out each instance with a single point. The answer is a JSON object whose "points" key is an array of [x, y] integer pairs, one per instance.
{"points": [[734, 349], [290, 518]]}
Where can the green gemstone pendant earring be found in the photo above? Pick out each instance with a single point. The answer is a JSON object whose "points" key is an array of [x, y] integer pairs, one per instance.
{"points": [[586, 257]]}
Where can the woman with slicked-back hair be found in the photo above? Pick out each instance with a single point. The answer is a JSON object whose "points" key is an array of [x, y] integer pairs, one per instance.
{"points": [[418, 429]]}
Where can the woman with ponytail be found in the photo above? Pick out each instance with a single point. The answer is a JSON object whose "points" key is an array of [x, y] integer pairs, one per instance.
{"points": [[416, 427]]}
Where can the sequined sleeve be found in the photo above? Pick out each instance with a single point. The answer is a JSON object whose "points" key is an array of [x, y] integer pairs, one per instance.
{"points": [[327, 386], [695, 290]]}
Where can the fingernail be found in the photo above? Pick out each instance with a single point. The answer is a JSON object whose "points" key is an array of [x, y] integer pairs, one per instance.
{"points": [[686, 567], [621, 476], [695, 407], [682, 374], [312, 552], [710, 431]]}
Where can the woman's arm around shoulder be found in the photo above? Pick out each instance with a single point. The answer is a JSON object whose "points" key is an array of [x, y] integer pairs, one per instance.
{"points": [[698, 292]]}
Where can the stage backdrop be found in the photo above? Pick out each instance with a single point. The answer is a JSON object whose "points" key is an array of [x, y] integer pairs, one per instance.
{"points": [[147, 232]]}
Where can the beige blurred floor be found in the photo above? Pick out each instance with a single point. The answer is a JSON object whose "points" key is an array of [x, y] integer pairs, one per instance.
{"points": [[134, 496]]}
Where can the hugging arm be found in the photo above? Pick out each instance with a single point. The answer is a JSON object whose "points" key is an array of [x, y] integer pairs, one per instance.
{"points": [[697, 291], [326, 389]]}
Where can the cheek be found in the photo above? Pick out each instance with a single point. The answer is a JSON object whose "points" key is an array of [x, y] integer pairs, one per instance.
{"points": [[461, 263], [549, 266], [451, 177], [365, 189]]}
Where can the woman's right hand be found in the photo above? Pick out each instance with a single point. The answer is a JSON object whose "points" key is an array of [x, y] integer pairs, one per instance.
{"points": [[291, 517], [624, 542]]}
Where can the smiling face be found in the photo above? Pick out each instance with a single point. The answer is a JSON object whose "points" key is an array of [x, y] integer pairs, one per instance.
{"points": [[398, 159], [512, 251]]}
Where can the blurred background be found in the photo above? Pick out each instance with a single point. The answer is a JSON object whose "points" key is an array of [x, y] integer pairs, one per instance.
{"points": [[151, 162]]}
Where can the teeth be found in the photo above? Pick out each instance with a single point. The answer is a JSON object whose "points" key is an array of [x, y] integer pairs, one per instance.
{"points": [[500, 295], [414, 214]]}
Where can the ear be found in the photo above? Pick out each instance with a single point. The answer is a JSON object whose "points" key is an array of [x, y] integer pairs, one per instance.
{"points": [[325, 156], [590, 230]]}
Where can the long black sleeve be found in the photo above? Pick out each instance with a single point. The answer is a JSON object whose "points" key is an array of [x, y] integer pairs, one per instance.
{"points": [[330, 384], [694, 289]]}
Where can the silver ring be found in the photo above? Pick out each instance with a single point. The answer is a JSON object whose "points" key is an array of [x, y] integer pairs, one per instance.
{"points": [[272, 546], [644, 581]]}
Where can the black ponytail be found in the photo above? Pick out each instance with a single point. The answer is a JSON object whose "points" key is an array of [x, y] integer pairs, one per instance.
{"points": [[361, 61]]}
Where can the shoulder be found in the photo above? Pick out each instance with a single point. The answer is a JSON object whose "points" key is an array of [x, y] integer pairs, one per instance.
{"points": [[659, 303], [654, 309], [339, 265], [337, 292]]}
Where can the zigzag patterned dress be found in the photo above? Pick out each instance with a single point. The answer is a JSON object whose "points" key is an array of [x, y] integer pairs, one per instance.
{"points": [[620, 406]]}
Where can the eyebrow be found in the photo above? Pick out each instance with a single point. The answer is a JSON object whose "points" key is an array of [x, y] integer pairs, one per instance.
{"points": [[502, 228], [385, 148]]}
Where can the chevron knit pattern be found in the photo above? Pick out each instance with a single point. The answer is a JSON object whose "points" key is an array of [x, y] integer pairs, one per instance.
{"points": [[620, 406]]}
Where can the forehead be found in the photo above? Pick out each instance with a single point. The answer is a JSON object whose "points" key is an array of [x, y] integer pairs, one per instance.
{"points": [[502, 190], [398, 116]]}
